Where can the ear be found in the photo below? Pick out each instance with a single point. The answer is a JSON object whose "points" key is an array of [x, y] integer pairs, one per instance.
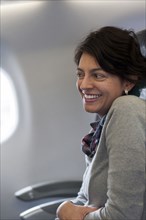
{"points": [[128, 85]]}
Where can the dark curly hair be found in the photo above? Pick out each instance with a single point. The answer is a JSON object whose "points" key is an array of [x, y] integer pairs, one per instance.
{"points": [[117, 51]]}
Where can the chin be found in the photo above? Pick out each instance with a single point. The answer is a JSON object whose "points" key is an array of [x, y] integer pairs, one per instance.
{"points": [[90, 110]]}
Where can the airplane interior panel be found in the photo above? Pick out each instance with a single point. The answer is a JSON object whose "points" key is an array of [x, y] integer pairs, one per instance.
{"points": [[38, 40]]}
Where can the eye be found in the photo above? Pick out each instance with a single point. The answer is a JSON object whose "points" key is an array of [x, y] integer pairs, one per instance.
{"points": [[80, 74], [99, 76]]}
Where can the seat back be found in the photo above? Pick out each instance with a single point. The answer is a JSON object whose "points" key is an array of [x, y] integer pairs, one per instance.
{"points": [[140, 89]]}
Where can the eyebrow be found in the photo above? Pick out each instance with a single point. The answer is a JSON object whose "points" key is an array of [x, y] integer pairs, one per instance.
{"points": [[92, 70]]}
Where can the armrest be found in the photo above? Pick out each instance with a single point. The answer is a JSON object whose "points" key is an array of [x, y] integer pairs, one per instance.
{"points": [[44, 211], [49, 189]]}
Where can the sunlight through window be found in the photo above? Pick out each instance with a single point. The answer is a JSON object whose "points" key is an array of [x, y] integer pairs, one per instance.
{"points": [[8, 107]]}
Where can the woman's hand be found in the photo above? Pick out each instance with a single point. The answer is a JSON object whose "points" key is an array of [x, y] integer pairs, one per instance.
{"points": [[68, 211]]}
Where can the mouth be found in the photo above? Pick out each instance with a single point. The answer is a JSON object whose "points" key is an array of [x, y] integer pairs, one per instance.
{"points": [[91, 97]]}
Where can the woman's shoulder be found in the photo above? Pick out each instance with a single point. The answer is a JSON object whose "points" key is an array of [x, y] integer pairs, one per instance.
{"points": [[129, 106], [128, 101], [126, 111]]}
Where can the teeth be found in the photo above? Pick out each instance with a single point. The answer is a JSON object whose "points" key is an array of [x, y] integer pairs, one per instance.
{"points": [[91, 96]]}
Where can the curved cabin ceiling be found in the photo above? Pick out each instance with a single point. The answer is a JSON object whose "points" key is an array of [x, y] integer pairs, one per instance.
{"points": [[47, 24]]}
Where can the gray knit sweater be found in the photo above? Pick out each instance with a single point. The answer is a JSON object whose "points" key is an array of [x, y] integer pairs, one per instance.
{"points": [[115, 179]]}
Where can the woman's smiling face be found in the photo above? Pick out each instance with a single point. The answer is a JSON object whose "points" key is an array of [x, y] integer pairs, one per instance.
{"points": [[98, 88]]}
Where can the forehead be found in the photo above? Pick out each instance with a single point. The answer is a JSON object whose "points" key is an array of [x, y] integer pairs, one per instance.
{"points": [[88, 61]]}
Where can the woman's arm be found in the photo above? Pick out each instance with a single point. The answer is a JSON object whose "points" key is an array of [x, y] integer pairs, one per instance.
{"points": [[125, 140], [75, 207]]}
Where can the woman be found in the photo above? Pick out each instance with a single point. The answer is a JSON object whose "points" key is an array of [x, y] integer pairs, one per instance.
{"points": [[109, 66]]}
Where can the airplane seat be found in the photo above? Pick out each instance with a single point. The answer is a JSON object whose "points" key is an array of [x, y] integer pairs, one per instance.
{"points": [[57, 192], [67, 189], [140, 89]]}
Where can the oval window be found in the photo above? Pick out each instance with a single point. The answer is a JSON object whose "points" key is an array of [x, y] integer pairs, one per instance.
{"points": [[8, 107]]}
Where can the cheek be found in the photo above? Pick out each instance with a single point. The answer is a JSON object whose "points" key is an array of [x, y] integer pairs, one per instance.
{"points": [[115, 93], [78, 86], [115, 88], [119, 89]]}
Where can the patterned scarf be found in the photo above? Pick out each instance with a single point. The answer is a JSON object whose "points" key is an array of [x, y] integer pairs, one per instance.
{"points": [[91, 140]]}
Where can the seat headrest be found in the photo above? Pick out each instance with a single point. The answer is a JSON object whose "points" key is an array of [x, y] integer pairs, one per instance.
{"points": [[141, 35], [140, 90]]}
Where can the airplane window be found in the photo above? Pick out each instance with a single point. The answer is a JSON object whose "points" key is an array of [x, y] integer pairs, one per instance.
{"points": [[8, 107]]}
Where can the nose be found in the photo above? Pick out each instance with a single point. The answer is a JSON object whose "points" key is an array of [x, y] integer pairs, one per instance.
{"points": [[86, 83]]}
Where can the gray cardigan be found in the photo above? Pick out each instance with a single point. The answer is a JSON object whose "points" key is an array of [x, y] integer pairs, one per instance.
{"points": [[115, 179]]}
